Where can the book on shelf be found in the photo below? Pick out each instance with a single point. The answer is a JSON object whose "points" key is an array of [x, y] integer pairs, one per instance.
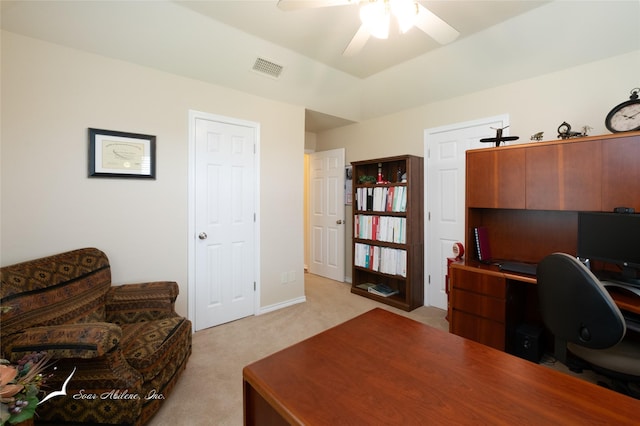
{"points": [[399, 197], [382, 290], [365, 286], [382, 198], [481, 240], [390, 229], [381, 259], [390, 192]]}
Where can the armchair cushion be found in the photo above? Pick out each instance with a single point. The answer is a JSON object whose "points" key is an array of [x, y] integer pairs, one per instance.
{"points": [[141, 302], [142, 342], [88, 340]]}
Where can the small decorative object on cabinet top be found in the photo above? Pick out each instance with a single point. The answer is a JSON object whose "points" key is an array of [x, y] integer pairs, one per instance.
{"points": [[625, 117], [499, 138], [537, 136], [564, 131]]}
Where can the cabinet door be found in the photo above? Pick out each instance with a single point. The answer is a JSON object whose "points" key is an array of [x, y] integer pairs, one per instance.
{"points": [[496, 178], [621, 173], [564, 176]]}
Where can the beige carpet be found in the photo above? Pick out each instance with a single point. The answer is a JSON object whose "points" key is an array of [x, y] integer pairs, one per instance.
{"points": [[210, 390]]}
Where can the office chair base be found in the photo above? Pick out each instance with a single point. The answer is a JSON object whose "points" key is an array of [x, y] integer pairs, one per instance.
{"points": [[577, 365], [618, 382], [629, 389]]}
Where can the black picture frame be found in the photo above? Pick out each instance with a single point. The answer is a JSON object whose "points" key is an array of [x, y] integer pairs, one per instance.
{"points": [[121, 154]]}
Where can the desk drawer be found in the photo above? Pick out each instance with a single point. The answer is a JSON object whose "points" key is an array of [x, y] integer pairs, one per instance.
{"points": [[482, 330], [482, 283], [480, 305]]}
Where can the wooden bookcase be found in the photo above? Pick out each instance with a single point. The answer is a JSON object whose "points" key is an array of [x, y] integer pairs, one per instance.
{"points": [[528, 197], [388, 234]]}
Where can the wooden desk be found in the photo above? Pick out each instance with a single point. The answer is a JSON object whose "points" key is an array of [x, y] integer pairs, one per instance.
{"points": [[487, 305], [382, 368], [528, 197]]}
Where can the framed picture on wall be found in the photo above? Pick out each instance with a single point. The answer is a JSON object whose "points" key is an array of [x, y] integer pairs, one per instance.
{"points": [[121, 154]]}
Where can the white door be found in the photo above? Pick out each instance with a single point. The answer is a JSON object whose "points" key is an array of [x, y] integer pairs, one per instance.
{"points": [[445, 149], [224, 215], [326, 210]]}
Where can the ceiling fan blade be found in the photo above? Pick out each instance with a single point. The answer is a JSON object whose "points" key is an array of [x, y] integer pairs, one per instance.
{"points": [[288, 5], [435, 27], [357, 42]]}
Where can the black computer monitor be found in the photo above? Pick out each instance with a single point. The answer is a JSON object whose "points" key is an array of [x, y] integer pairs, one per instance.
{"points": [[612, 238]]}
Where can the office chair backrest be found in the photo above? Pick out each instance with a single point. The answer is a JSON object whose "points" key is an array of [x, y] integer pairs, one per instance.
{"points": [[575, 306]]}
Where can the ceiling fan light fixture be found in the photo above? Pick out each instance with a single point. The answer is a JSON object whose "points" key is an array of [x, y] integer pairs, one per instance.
{"points": [[375, 15], [405, 12]]}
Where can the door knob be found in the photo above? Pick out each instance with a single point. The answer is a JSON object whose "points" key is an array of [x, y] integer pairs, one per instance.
{"points": [[339, 222], [203, 236]]}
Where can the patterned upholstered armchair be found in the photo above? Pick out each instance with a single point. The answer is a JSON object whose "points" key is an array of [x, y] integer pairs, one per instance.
{"points": [[126, 343]]}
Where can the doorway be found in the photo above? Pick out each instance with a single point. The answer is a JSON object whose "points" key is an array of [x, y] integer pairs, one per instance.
{"points": [[326, 214], [223, 231], [445, 149]]}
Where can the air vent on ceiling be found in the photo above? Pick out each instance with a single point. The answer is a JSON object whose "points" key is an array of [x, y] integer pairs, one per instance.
{"points": [[266, 67]]}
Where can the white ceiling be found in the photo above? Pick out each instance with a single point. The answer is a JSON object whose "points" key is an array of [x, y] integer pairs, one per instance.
{"points": [[323, 33], [219, 41]]}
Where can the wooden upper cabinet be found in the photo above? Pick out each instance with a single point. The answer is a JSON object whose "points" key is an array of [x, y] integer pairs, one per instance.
{"points": [[496, 178], [595, 173], [621, 173], [566, 176]]}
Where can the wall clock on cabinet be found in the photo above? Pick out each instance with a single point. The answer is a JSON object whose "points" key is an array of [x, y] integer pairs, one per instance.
{"points": [[625, 117]]}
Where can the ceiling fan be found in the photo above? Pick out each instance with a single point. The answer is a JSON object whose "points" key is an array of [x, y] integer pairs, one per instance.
{"points": [[376, 16]]}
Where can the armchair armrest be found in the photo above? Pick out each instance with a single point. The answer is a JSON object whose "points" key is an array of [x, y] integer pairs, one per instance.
{"points": [[132, 303], [84, 340]]}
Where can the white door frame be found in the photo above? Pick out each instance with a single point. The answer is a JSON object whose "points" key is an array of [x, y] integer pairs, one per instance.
{"points": [[504, 118], [191, 233]]}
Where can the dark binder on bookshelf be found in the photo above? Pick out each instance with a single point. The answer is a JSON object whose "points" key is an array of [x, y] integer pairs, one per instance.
{"points": [[481, 239]]}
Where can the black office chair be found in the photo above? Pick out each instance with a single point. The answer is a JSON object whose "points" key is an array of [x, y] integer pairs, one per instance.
{"points": [[584, 319]]}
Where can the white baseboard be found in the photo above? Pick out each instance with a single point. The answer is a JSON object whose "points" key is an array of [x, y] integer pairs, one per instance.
{"points": [[285, 304]]}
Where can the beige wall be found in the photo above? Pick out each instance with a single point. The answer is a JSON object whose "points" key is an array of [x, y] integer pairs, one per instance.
{"points": [[581, 96], [52, 94]]}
